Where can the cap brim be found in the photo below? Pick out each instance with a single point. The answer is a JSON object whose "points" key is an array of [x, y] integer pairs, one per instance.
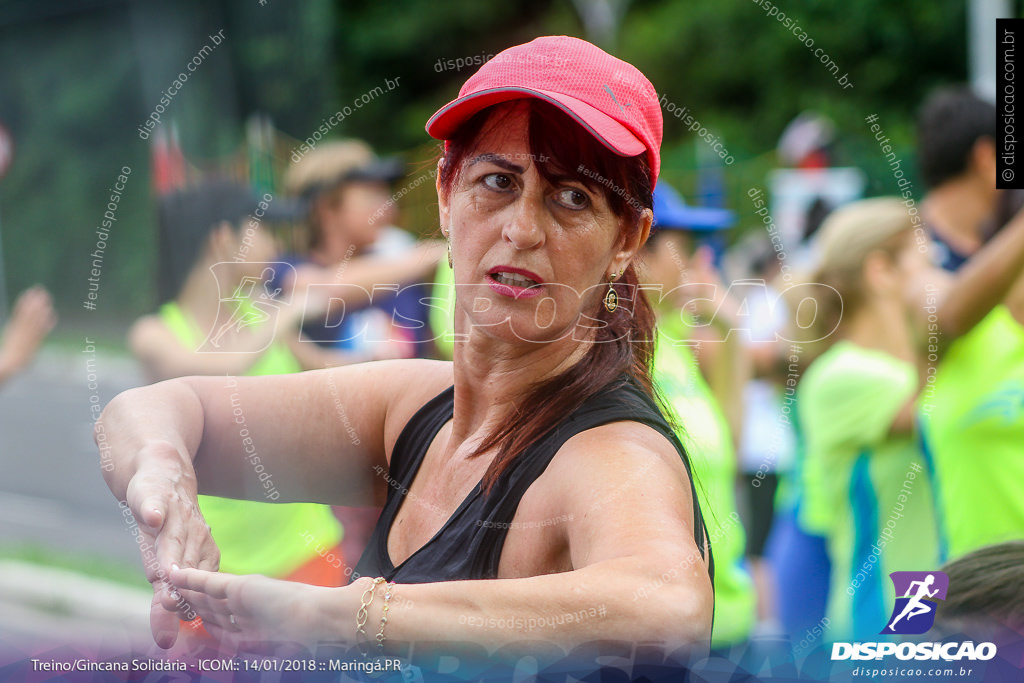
{"points": [[379, 170], [609, 132], [284, 209]]}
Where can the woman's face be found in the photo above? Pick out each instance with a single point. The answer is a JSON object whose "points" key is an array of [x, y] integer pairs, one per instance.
{"points": [[256, 246], [530, 257], [916, 273], [922, 285], [357, 211]]}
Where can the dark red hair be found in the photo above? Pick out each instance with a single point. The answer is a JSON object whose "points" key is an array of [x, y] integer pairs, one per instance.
{"points": [[624, 340]]}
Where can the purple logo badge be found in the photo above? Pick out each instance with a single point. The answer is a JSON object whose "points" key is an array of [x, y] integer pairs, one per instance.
{"points": [[917, 594]]}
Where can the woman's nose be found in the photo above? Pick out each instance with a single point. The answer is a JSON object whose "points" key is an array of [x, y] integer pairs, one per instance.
{"points": [[525, 228]]}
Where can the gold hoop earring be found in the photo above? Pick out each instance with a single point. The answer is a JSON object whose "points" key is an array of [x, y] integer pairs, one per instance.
{"points": [[611, 298]]}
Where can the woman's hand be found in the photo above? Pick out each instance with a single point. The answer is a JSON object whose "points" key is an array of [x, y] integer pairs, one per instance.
{"points": [[32, 320], [172, 532], [255, 608], [156, 442]]}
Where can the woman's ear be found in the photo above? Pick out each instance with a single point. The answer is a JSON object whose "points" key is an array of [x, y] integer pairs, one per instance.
{"points": [[878, 273], [630, 243]]}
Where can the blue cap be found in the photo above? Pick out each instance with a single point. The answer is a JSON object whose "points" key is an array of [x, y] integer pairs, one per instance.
{"points": [[672, 213]]}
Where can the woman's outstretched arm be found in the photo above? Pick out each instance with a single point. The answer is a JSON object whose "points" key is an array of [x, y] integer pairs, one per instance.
{"points": [[312, 437], [622, 499]]}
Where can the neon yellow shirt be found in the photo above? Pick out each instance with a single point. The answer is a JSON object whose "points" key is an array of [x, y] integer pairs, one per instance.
{"points": [[866, 490], [442, 310], [705, 434], [260, 538], [972, 420]]}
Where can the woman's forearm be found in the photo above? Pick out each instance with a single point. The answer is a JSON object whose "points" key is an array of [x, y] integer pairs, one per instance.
{"points": [[353, 283], [157, 427], [613, 600], [984, 281]]}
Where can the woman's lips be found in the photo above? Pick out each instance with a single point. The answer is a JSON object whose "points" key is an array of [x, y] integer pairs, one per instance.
{"points": [[514, 282]]}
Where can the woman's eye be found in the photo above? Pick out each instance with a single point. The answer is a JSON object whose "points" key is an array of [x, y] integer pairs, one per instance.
{"points": [[498, 181], [574, 199]]}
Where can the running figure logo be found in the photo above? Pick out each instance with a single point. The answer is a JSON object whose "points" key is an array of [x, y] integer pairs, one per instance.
{"points": [[253, 303], [917, 594]]}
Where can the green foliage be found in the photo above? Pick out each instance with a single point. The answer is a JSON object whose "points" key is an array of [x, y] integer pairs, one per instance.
{"points": [[744, 75], [72, 121]]}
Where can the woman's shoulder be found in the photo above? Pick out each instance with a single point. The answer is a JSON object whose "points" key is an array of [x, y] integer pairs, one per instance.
{"points": [[410, 384], [398, 387], [408, 380], [605, 469]]}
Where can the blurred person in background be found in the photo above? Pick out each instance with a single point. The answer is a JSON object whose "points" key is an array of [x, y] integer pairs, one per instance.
{"points": [[201, 232], [347, 193], [767, 441], [699, 367], [866, 486], [972, 412], [797, 569], [198, 275], [808, 153], [32, 320], [956, 155], [355, 251], [442, 310]]}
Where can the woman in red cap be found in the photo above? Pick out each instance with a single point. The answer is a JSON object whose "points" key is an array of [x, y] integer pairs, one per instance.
{"points": [[533, 485]]}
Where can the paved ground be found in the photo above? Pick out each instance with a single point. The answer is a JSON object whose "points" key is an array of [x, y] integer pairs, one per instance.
{"points": [[53, 499], [52, 493]]}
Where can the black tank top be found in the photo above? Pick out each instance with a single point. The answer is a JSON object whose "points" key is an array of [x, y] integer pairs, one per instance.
{"points": [[469, 544]]}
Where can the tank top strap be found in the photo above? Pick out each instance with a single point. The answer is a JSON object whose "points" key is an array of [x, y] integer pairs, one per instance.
{"points": [[416, 437]]}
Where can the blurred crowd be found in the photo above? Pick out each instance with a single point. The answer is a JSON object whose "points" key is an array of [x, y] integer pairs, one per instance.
{"points": [[852, 399]]}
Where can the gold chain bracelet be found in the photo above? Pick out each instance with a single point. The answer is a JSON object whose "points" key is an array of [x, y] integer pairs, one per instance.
{"points": [[365, 601], [384, 616]]}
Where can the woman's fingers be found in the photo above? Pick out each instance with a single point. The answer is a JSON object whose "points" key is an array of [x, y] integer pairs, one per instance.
{"points": [[190, 544], [207, 593], [163, 622], [213, 610], [148, 501], [163, 617], [182, 536], [197, 534], [209, 554], [258, 607], [173, 533], [214, 584], [151, 511], [171, 544]]}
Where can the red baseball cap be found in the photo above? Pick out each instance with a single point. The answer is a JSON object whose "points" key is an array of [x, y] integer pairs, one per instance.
{"points": [[610, 98]]}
